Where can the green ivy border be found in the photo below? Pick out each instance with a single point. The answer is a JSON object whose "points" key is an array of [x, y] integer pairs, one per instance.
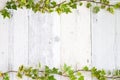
{"points": [[50, 6], [65, 71]]}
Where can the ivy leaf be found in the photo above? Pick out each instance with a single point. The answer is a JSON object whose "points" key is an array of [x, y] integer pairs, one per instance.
{"points": [[117, 5], [85, 68], [47, 70], [23, 1], [5, 13], [55, 70], [51, 78], [65, 8], [14, 7], [79, 73], [103, 6], [88, 5], [58, 10], [102, 72], [6, 76], [110, 9], [39, 65], [19, 75], [66, 68], [81, 78], [96, 9], [53, 3], [74, 5], [80, 3]]}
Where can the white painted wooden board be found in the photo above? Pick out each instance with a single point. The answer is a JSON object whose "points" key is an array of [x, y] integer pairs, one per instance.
{"points": [[20, 33], [29, 38], [117, 33], [4, 35], [103, 40], [41, 39], [75, 39]]}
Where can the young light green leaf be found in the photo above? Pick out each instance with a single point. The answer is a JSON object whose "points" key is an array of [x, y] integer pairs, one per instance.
{"points": [[110, 9], [96, 9]]}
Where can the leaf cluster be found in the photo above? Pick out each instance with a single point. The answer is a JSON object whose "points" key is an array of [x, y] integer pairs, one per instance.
{"points": [[48, 6], [66, 71]]}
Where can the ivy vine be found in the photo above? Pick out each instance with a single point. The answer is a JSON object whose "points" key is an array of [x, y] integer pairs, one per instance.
{"points": [[49, 6], [65, 71]]}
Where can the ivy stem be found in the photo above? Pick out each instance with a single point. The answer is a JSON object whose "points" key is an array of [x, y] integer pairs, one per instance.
{"points": [[113, 77]]}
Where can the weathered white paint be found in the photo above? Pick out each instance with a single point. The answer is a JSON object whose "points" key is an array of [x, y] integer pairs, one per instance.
{"points": [[44, 43], [117, 40], [4, 35], [103, 38], [2, 3], [29, 38], [75, 38]]}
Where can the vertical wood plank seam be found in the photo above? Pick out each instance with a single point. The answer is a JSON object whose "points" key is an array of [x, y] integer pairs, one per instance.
{"points": [[91, 37], [11, 44], [115, 43], [28, 35]]}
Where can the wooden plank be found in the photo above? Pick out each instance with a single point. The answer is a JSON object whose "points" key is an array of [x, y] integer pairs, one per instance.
{"points": [[20, 38], [117, 33], [75, 36], [4, 26], [18, 41], [75, 39], [41, 39], [103, 40]]}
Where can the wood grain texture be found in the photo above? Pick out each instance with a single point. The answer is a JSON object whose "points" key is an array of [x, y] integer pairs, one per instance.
{"points": [[4, 35], [51, 39], [75, 38], [41, 39], [103, 40], [18, 40], [117, 33]]}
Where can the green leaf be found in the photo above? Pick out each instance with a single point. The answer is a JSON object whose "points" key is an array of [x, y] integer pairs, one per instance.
{"points": [[53, 3], [117, 5], [23, 1], [73, 5], [66, 68], [110, 9], [58, 10], [64, 8], [85, 68], [79, 73], [19, 75], [96, 9], [5, 13], [55, 70], [80, 3], [47, 70], [103, 6], [88, 5], [51, 78], [6, 76], [81, 78], [102, 72]]}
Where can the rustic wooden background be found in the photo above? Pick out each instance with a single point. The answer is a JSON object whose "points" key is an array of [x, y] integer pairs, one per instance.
{"points": [[77, 39]]}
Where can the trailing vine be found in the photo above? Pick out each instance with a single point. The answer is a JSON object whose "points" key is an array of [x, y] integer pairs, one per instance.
{"points": [[49, 6], [65, 71]]}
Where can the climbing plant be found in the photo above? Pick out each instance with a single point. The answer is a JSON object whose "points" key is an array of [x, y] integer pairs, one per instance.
{"points": [[65, 71], [49, 6]]}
